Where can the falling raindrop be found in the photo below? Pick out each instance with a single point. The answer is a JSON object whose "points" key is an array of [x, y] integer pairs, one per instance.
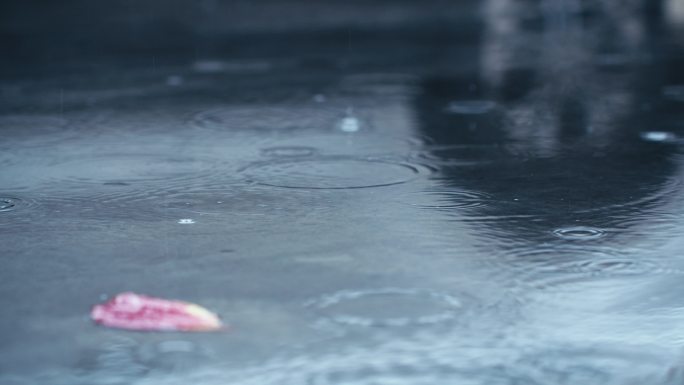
{"points": [[349, 124]]}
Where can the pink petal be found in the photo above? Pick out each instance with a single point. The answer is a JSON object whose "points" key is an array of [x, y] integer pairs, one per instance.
{"points": [[139, 312]]}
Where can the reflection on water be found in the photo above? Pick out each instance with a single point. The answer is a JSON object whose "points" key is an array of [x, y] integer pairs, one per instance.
{"points": [[493, 201]]}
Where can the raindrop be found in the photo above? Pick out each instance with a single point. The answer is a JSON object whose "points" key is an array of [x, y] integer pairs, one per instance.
{"points": [[579, 233], [388, 307], [332, 173], [349, 123], [186, 221], [658, 136], [289, 151], [470, 107]]}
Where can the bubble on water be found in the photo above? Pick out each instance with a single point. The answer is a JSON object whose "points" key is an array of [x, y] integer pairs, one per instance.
{"points": [[289, 151], [579, 233], [332, 173], [470, 107], [186, 221], [387, 307], [659, 136]]}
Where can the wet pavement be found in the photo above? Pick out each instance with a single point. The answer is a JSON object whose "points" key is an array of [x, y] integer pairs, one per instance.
{"points": [[492, 195]]}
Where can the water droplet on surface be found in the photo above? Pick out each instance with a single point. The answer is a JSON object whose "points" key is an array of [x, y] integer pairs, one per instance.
{"points": [[388, 307], [579, 233], [186, 221], [658, 136], [289, 151], [470, 107], [332, 173]]}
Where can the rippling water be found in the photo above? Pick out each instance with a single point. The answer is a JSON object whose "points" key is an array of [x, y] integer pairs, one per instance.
{"points": [[493, 200]]}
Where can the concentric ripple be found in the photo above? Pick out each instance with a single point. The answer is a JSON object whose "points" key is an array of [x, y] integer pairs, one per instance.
{"points": [[388, 307], [332, 173], [470, 107], [579, 233], [289, 151], [549, 266], [7, 204], [33, 130], [460, 155], [12, 203], [263, 118], [446, 200], [120, 170]]}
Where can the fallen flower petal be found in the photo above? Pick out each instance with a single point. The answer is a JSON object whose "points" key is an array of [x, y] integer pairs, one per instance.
{"points": [[139, 312]]}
